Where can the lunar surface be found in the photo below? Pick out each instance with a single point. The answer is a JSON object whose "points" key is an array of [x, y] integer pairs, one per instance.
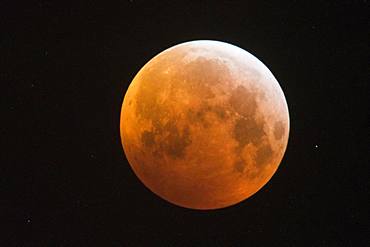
{"points": [[204, 124]]}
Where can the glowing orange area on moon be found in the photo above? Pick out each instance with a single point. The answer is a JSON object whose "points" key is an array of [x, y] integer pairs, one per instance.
{"points": [[204, 124]]}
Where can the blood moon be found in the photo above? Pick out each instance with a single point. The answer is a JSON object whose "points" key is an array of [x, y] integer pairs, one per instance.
{"points": [[204, 124]]}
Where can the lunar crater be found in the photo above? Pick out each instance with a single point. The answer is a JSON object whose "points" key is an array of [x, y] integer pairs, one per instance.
{"points": [[279, 130], [247, 130]]}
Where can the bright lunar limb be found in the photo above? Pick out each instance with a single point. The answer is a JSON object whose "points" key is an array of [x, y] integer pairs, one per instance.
{"points": [[204, 124]]}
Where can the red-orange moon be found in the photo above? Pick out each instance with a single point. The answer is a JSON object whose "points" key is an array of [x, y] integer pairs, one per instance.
{"points": [[204, 124]]}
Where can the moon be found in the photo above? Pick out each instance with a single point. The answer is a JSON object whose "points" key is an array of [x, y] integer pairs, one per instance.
{"points": [[204, 124]]}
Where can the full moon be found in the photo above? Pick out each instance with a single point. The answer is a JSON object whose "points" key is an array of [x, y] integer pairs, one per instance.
{"points": [[204, 124]]}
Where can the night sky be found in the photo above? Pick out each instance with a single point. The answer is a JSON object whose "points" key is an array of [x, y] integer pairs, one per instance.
{"points": [[64, 70]]}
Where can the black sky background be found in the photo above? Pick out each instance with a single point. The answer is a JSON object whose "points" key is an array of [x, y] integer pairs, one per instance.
{"points": [[64, 70]]}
